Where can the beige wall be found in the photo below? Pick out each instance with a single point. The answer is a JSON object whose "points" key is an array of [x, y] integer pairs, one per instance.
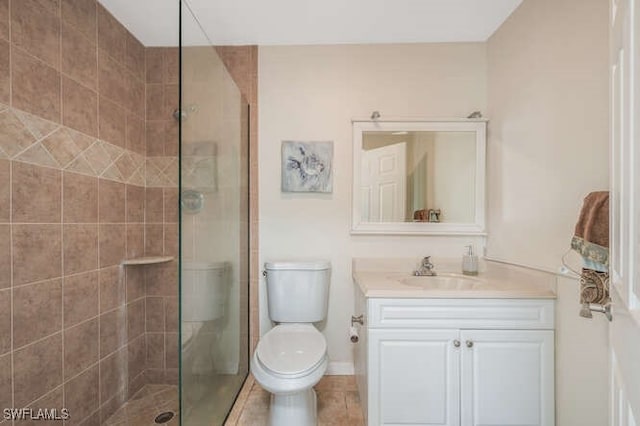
{"points": [[311, 93], [547, 148]]}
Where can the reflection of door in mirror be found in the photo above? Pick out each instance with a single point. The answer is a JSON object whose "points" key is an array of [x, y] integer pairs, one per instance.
{"points": [[425, 176], [383, 183]]}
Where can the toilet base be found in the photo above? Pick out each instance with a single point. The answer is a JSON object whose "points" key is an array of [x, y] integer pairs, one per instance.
{"points": [[297, 409]]}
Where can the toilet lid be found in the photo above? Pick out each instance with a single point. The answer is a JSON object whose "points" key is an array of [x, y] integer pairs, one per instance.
{"points": [[291, 348]]}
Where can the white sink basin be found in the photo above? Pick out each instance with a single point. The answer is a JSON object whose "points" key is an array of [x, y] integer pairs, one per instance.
{"points": [[444, 281]]}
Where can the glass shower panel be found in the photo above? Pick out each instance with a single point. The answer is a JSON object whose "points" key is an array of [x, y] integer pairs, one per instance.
{"points": [[214, 231]]}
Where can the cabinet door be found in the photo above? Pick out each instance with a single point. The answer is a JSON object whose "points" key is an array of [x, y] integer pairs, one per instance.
{"points": [[414, 377], [507, 378]]}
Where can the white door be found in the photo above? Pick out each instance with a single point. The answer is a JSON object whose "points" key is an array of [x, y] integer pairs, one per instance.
{"points": [[624, 330], [383, 183], [507, 378], [414, 377]]}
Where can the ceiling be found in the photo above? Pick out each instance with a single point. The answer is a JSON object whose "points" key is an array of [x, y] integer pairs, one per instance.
{"points": [[281, 22]]}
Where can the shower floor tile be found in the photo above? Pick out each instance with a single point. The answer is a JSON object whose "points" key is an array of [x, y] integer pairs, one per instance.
{"points": [[145, 405], [338, 404]]}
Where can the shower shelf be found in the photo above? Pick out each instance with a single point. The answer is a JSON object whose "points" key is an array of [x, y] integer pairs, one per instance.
{"points": [[147, 260]]}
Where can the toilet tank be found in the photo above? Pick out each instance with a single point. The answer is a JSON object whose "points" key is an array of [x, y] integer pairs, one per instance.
{"points": [[204, 290], [298, 291]]}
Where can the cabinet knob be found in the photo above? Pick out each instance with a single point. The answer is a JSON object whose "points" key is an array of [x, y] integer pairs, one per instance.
{"points": [[456, 343], [469, 343]]}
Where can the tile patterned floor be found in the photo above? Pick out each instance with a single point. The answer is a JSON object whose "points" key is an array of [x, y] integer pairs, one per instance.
{"points": [[338, 404], [145, 405]]}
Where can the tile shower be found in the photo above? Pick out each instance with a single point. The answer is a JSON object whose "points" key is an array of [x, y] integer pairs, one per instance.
{"points": [[88, 177]]}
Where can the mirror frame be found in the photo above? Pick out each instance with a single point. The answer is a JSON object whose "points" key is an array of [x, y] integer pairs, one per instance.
{"points": [[477, 227]]}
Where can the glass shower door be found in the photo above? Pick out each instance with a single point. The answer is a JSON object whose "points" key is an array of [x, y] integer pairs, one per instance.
{"points": [[214, 232]]}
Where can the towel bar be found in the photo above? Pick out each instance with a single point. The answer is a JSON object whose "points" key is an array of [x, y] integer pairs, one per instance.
{"points": [[587, 308]]}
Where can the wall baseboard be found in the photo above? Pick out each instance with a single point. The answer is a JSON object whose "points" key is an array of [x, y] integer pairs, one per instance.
{"points": [[340, 369]]}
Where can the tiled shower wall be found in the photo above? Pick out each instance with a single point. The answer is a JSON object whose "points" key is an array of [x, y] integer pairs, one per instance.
{"points": [[73, 169], [162, 214]]}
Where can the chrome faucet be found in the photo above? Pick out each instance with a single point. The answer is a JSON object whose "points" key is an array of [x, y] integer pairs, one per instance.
{"points": [[426, 268]]}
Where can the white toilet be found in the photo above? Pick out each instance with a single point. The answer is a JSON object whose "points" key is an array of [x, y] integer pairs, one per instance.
{"points": [[292, 357]]}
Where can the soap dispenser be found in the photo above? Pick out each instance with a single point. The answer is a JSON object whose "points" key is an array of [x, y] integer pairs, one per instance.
{"points": [[469, 262]]}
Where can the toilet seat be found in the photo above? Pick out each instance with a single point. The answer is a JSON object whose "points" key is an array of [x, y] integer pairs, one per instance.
{"points": [[291, 350]]}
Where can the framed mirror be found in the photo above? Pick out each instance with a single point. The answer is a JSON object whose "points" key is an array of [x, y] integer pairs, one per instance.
{"points": [[419, 177]]}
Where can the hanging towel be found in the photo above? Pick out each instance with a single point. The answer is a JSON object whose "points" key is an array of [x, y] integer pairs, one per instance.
{"points": [[591, 236], [591, 241]]}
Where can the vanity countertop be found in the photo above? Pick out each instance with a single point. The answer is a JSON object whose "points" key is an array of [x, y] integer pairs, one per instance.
{"points": [[383, 278]]}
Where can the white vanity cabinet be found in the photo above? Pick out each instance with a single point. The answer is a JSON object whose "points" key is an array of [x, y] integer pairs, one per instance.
{"points": [[451, 362]]}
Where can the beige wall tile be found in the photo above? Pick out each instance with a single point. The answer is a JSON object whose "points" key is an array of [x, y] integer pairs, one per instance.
{"points": [[171, 350], [5, 321], [162, 279], [112, 244], [6, 381], [36, 29], [80, 248], [135, 241], [136, 99], [153, 240], [79, 57], [155, 137], [135, 134], [155, 314], [37, 311], [80, 195], [153, 205], [111, 404], [135, 57], [171, 240], [171, 65], [36, 194], [171, 138], [154, 58], [113, 330], [5, 256], [5, 191], [113, 374], [155, 350], [4, 19], [81, 394], [155, 102], [79, 107], [112, 288], [171, 205], [37, 369], [136, 356], [135, 318], [80, 347], [135, 204], [111, 202], [35, 87], [37, 252], [171, 314], [5, 67], [112, 123], [112, 80], [135, 283], [111, 35], [82, 15], [171, 100], [14, 136], [80, 298]]}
